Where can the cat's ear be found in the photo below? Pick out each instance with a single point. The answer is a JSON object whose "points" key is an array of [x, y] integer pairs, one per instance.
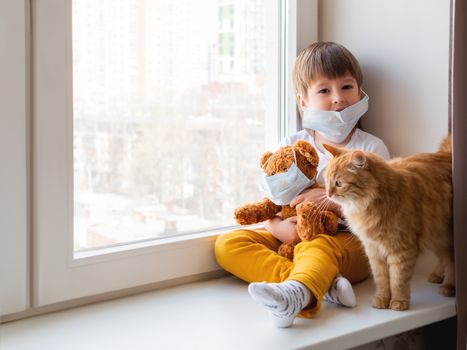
{"points": [[332, 151], [359, 160]]}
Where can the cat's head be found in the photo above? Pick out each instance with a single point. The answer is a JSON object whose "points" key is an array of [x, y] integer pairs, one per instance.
{"points": [[351, 178]]}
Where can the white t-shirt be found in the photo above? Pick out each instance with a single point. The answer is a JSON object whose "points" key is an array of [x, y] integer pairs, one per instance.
{"points": [[360, 140]]}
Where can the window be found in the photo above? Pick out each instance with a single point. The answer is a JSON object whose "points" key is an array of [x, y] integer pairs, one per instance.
{"points": [[149, 118], [170, 113]]}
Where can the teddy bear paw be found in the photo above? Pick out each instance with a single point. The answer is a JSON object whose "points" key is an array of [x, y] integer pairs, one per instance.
{"points": [[286, 250], [309, 221]]}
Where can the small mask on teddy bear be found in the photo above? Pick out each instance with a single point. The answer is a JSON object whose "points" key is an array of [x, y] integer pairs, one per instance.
{"points": [[287, 172], [281, 188]]}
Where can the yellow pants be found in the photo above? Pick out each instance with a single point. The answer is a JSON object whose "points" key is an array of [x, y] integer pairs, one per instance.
{"points": [[251, 255]]}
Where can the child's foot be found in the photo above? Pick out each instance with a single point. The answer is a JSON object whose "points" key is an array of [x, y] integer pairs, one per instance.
{"points": [[283, 300], [341, 292]]}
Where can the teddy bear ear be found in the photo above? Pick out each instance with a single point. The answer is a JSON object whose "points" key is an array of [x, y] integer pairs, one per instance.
{"points": [[308, 151], [264, 158]]}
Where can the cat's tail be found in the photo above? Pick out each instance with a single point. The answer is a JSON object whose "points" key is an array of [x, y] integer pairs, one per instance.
{"points": [[446, 144]]}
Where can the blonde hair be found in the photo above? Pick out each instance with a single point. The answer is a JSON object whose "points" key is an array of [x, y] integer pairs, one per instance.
{"points": [[325, 58]]}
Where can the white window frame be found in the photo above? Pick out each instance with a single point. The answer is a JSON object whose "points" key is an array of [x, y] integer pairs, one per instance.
{"points": [[14, 155], [58, 275]]}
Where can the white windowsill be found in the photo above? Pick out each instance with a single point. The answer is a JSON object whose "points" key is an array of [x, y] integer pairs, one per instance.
{"points": [[219, 314]]}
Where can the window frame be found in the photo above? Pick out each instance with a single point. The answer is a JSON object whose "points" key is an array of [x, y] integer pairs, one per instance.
{"points": [[59, 274]]}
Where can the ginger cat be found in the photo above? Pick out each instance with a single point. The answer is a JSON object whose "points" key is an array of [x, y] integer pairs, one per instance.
{"points": [[397, 209]]}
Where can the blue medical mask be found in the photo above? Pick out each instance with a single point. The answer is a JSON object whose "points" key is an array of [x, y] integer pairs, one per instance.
{"points": [[282, 188], [335, 126]]}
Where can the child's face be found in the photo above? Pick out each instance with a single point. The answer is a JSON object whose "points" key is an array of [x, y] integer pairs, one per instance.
{"points": [[331, 94]]}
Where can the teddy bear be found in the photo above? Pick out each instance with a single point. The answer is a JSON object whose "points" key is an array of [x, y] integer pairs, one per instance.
{"points": [[311, 220]]}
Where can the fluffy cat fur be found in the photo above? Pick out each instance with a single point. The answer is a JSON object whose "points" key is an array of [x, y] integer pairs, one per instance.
{"points": [[397, 208]]}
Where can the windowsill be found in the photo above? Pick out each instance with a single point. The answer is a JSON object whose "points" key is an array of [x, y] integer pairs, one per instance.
{"points": [[219, 314]]}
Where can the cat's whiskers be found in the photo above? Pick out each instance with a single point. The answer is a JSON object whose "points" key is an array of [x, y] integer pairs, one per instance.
{"points": [[313, 217], [323, 205]]}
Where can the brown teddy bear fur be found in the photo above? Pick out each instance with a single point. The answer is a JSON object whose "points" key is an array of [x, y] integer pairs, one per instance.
{"points": [[310, 219]]}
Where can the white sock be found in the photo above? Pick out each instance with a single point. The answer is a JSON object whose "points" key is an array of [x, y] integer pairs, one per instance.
{"points": [[341, 292], [283, 300]]}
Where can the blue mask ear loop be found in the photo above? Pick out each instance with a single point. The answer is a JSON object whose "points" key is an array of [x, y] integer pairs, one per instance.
{"points": [[364, 94], [361, 99], [266, 162], [295, 157]]}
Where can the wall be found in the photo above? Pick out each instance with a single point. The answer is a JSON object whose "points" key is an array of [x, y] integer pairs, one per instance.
{"points": [[14, 153], [403, 48]]}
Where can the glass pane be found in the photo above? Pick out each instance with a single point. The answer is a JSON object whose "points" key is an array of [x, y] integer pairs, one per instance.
{"points": [[173, 102]]}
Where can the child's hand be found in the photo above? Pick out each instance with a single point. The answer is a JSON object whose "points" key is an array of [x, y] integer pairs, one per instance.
{"points": [[315, 195], [318, 196], [283, 230]]}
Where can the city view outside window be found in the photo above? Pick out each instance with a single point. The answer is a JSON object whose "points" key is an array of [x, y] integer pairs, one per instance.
{"points": [[171, 112]]}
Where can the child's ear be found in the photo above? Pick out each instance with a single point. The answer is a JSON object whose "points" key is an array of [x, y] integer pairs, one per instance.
{"points": [[301, 102], [332, 151]]}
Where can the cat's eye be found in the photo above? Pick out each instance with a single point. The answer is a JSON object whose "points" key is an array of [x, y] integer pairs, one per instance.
{"points": [[338, 183]]}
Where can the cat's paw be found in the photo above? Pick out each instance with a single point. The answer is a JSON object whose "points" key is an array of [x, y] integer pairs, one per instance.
{"points": [[399, 305], [448, 290], [435, 278], [380, 302]]}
